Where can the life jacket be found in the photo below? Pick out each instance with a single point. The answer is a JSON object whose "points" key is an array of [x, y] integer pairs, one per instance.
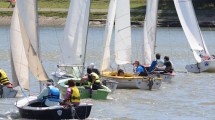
{"points": [[144, 73], [97, 77], [3, 78], [75, 96], [90, 79], [54, 94]]}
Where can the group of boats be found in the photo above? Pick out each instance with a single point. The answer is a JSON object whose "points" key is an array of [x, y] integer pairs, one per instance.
{"points": [[25, 54]]}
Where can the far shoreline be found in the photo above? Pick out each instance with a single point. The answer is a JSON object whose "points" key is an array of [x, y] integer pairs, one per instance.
{"points": [[60, 22]]}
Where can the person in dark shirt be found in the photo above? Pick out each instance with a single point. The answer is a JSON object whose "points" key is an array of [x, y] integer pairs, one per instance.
{"points": [[168, 65]]}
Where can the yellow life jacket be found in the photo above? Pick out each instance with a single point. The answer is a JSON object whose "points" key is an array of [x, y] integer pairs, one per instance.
{"points": [[75, 96], [97, 77], [3, 78]]}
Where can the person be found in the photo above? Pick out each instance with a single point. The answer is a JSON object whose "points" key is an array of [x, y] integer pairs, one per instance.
{"points": [[50, 94], [120, 72], [72, 94], [168, 65], [140, 70], [12, 3], [94, 69], [93, 80], [4, 79], [158, 63]]}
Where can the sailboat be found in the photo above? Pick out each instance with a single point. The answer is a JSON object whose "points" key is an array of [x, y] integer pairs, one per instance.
{"points": [[73, 51], [188, 20], [149, 43], [119, 11], [25, 56]]}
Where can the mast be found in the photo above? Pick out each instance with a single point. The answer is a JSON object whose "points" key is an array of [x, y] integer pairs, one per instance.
{"points": [[37, 37], [85, 50]]}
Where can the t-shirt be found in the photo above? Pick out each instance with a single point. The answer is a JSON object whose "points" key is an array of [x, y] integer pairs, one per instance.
{"points": [[169, 67], [160, 62], [139, 69]]}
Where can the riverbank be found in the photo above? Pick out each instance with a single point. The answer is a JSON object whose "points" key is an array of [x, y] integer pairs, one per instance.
{"points": [[59, 22], [57, 17]]}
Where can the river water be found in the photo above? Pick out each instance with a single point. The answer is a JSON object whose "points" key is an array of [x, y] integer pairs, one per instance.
{"points": [[188, 97]]}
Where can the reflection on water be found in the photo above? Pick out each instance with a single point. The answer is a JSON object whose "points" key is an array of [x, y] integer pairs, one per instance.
{"points": [[188, 96]]}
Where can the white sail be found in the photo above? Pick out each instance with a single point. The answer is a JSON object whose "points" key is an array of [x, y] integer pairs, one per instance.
{"points": [[150, 25], [123, 32], [191, 28], [107, 36], [75, 32], [19, 63], [28, 15], [23, 35]]}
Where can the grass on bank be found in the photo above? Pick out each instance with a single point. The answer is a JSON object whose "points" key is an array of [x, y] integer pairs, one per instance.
{"points": [[96, 4]]}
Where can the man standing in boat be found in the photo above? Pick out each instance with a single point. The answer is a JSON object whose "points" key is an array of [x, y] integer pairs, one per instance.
{"points": [[50, 94]]}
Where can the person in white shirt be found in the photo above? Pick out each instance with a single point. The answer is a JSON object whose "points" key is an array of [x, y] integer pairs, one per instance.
{"points": [[157, 64]]}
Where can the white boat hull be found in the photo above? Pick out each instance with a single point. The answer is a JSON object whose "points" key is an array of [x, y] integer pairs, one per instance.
{"points": [[112, 85], [59, 75], [123, 83], [133, 83], [204, 66], [7, 92], [147, 84]]}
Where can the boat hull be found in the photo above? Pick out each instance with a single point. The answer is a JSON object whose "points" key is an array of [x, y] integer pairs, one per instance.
{"points": [[148, 83], [131, 82], [204, 66], [123, 83], [7, 92], [84, 91], [112, 85], [31, 108]]}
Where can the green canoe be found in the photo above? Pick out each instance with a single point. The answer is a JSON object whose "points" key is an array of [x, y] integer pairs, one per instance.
{"points": [[85, 93]]}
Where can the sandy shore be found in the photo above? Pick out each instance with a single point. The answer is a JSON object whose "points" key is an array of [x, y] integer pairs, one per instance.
{"points": [[56, 21]]}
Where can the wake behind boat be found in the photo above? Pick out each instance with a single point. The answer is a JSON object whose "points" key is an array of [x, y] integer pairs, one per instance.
{"points": [[32, 108]]}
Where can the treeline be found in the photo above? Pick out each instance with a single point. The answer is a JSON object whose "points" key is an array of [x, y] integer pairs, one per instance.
{"points": [[198, 4], [163, 4]]}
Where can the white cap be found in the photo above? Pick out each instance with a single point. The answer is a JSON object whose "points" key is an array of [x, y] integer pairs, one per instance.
{"points": [[91, 65]]}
